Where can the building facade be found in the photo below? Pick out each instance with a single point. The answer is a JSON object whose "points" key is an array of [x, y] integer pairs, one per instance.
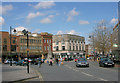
{"points": [[115, 39], [38, 44], [67, 45], [89, 50]]}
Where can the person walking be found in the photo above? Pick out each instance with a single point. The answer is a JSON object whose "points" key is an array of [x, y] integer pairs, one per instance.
{"points": [[60, 61], [51, 62], [39, 63], [57, 61]]}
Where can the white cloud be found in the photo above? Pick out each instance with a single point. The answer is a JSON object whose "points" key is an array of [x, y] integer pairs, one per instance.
{"points": [[33, 15], [59, 32], [44, 5], [68, 32], [50, 16], [2, 21], [71, 14], [20, 28], [83, 22], [113, 20], [46, 21], [4, 9], [72, 32]]}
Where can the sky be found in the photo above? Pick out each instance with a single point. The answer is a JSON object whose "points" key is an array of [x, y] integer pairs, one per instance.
{"points": [[77, 18]]}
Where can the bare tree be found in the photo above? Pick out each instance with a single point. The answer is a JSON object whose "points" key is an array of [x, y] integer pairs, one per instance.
{"points": [[101, 37]]}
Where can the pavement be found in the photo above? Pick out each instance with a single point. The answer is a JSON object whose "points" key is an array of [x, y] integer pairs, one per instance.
{"points": [[17, 73]]}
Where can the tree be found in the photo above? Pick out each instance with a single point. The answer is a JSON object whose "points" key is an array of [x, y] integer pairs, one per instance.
{"points": [[101, 37]]}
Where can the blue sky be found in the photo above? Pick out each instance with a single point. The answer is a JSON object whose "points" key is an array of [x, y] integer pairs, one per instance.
{"points": [[58, 17]]}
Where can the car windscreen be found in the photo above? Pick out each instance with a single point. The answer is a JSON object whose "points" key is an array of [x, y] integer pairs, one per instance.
{"points": [[82, 59]]}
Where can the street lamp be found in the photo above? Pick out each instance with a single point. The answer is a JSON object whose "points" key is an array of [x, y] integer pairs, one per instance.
{"points": [[10, 43], [92, 36], [26, 33]]}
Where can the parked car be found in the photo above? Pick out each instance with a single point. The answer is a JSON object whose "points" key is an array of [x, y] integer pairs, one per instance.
{"points": [[90, 58], [8, 61], [82, 62], [106, 62], [35, 61], [21, 62]]}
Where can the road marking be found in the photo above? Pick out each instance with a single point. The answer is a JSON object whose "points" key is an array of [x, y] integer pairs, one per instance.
{"points": [[87, 74], [103, 79]]}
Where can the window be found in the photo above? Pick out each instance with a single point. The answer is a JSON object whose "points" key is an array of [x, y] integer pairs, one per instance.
{"points": [[50, 41], [0, 48], [4, 47], [21, 47], [13, 47], [44, 41], [40, 41], [63, 47], [40, 47], [63, 42], [57, 48], [73, 48], [32, 40], [47, 41], [76, 47], [44, 47], [47, 47], [13, 41], [70, 47], [80, 47], [57, 42], [5, 41]]}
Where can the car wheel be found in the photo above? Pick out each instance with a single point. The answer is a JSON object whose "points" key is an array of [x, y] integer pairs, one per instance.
{"points": [[100, 65], [76, 66]]}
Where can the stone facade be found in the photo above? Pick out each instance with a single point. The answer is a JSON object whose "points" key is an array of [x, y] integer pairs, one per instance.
{"points": [[67, 44]]}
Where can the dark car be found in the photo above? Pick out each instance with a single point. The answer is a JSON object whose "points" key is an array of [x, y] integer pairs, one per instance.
{"points": [[21, 62], [82, 62], [106, 62]]}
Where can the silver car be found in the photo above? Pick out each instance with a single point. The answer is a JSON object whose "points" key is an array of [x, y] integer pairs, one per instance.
{"points": [[82, 62]]}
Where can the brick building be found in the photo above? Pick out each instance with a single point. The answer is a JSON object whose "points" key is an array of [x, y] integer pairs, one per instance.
{"points": [[38, 44]]}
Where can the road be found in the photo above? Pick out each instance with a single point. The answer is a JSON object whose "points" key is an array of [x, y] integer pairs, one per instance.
{"points": [[69, 72]]}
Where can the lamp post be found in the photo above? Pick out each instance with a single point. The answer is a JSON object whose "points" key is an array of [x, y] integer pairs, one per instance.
{"points": [[26, 33], [10, 43], [92, 36]]}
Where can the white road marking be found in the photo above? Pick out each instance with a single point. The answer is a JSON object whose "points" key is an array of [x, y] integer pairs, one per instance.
{"points": [[87, 74], [103, 79]]}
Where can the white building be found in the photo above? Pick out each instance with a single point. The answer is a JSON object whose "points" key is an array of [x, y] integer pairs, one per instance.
{"points": [[67, 45]]}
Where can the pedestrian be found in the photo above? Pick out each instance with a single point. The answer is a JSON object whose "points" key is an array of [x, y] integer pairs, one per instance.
{"points": [[60, 61], [57, 61], [50, 62], [39, 63], [94, 58]]}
